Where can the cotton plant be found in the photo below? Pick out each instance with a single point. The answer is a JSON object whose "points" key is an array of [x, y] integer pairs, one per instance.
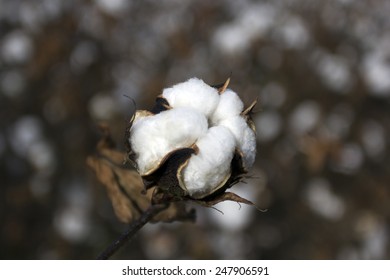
{"points": [[195, 143]]}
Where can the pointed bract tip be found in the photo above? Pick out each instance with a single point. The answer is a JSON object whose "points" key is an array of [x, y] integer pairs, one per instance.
{"points": [[224, 86], [249, 110]]}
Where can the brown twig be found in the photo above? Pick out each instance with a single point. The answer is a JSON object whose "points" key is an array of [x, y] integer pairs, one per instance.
{"points": [[146, 216]]}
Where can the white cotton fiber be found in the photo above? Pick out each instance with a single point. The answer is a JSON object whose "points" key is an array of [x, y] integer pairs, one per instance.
{"points": [[229, 105], [153, 137], [245, 138], [211, 166], [198, 115], [193, 93]]}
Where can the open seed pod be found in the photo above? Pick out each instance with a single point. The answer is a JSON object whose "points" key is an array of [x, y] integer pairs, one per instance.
{"points": [[197, 141]]}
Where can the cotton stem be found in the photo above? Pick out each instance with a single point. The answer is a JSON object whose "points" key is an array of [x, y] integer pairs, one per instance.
{"points": [[146, 217]]}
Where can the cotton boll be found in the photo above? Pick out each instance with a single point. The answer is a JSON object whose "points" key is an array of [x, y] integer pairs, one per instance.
{"points": [[229, 105], [202, 134], [210, 168], [245, 138], [193, 93], [153, 137]]}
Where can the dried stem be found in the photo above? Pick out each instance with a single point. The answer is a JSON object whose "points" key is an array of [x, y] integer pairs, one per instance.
{"points": [[146, 216]]}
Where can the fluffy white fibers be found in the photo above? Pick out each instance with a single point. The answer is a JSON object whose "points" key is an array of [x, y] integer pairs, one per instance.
{"points": [[193, 93], [210, 168], [244, 136], [153, 137], [229, 105]]}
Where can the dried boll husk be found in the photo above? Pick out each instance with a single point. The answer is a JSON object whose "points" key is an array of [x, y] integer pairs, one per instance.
{"points": [[196, 142]]}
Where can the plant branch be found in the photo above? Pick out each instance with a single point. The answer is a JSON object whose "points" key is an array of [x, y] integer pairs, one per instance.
{"points": [[146, 216]]}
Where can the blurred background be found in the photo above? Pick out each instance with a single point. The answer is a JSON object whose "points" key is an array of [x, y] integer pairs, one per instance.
{"points": [[321, 71]]}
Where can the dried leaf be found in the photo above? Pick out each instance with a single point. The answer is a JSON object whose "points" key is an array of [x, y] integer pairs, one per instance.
{"points": [[125, 186], [119, 184]]}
